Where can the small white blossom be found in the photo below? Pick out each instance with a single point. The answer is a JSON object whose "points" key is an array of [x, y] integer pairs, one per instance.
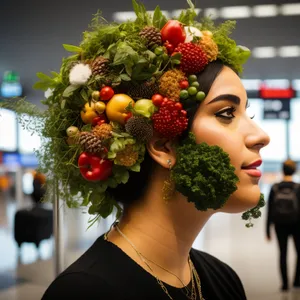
{"points": [[48, 93], [191, 32], [80, 74]]}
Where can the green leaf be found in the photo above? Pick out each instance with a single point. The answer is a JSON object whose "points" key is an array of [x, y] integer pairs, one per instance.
{"points": [[150, 55], [41, 85], [188, 16], [125, 55], [71, 48], [84, 95], [63, 103], [70, 90], [97, 198], [87, 128], [101, 187], [44, 77], [111, 51], [106, 209], [136, 7], [159, 20], [86, 200], [176, 56], [176, 62], [136, 168], [125, 77], [128, 70], [112, 183]]}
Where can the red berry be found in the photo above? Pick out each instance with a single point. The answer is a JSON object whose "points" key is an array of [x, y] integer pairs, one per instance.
{"points": [[184, 84], [170, 121], [157, 99], [106, 93], [178, 106], [193, 59], [170, 48]]}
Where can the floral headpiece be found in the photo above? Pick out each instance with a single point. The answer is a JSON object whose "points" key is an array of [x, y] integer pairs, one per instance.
{"points": [[124, 83]]}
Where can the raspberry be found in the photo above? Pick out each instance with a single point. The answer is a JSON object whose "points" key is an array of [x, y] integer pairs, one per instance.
{"points": [[170, 121], [193, 59]]}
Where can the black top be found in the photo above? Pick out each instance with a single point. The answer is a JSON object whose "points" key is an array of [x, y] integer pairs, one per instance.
{"points": [[281, 185], [105, 272]]}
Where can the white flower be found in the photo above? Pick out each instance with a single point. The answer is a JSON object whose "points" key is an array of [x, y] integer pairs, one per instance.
{"points": [[48, 93], [80, 74], [191, 32]]}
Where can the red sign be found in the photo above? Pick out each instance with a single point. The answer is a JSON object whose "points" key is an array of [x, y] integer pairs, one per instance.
{"points": [[275, 93]]}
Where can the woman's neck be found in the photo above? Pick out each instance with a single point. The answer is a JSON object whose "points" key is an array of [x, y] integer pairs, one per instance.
{"points": [[163, 233]]}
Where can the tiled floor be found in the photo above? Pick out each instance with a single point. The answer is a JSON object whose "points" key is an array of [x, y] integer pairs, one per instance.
{"points": [[25, 275]]}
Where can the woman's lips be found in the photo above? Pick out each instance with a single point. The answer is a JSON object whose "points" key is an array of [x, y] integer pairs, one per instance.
{"points": [[253, 172], [251, 169]]}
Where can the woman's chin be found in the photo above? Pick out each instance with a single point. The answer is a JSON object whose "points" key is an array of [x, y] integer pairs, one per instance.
{"points": [[242, 200]]}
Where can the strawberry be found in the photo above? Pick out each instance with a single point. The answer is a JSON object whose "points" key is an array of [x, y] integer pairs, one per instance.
{"points": [[193, 58], [170, 121]]}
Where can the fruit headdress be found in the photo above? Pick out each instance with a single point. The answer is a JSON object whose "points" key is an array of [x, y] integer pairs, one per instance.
{"points": [[124, 83]]}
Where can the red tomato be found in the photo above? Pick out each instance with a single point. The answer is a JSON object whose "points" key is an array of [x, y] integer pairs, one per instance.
{"points": [[184, 84], [94, 168], [106, 93], [99, 120], [157, 99]]}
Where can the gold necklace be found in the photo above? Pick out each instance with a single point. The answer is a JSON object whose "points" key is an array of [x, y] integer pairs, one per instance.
{"points": [[194, 273]]}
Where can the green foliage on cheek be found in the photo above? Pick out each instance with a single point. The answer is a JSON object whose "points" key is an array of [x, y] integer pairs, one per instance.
{"points": [[203, 174]]}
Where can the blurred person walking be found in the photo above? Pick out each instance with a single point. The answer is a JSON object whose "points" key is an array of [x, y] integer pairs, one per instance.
{"points": [[283, 212]]}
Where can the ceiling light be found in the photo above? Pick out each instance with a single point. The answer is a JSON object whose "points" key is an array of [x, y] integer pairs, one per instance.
{"points": [[262, 11], [123, 16], [296, 84], [235, 12], [264, 52], [277, 83], [289, 51], [251, 84], [291, 9], [213, 13]]}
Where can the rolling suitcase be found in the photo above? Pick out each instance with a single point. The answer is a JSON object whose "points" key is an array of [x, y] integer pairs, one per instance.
{"points": [[33, 225]]}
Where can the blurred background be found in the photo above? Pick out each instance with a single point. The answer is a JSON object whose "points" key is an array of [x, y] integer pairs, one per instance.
{"points": [[31, 37]]}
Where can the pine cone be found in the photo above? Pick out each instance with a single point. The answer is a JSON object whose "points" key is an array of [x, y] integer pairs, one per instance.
{"points": [[169, 84], [209, 47], [140, 128], [143, 91], [152, 36], [127, 157], [90, 142], [100, 66], [103, 131]]}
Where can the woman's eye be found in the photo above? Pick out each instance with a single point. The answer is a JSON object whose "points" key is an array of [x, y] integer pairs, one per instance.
{"points": [[226, 113]]}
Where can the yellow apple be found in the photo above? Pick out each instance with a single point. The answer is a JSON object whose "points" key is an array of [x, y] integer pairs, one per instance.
{"points": [[116, 108], [100, 107], [96, 95]]}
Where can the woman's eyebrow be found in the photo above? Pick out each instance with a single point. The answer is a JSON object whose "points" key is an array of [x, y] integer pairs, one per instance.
{"points": [[226, 97]]}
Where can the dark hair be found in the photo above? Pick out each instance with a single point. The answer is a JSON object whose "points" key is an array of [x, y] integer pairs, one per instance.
{"points": [[289, 167], [136, 186]]}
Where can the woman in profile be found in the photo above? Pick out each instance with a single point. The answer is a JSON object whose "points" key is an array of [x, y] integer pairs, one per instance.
{"points": [[200, 156]]}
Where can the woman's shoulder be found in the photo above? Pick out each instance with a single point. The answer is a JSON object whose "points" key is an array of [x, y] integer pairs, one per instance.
{"points": [[85, 278], [211, 262], [218, 276]]}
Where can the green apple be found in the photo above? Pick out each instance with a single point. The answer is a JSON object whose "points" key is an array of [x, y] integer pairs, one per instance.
{"points": [[145, 107]]}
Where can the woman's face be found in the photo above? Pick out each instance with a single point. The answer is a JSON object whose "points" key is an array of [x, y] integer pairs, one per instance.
{"points": [[222, 120]]}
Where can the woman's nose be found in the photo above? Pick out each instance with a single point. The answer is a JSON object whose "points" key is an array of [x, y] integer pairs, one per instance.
{"points": [[256, 137]]}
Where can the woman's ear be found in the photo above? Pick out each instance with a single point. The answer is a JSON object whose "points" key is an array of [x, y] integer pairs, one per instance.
{"points": [[162, 151]]}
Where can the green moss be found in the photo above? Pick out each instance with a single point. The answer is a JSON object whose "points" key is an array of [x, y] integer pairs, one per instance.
{"points": [[203, 174]]}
